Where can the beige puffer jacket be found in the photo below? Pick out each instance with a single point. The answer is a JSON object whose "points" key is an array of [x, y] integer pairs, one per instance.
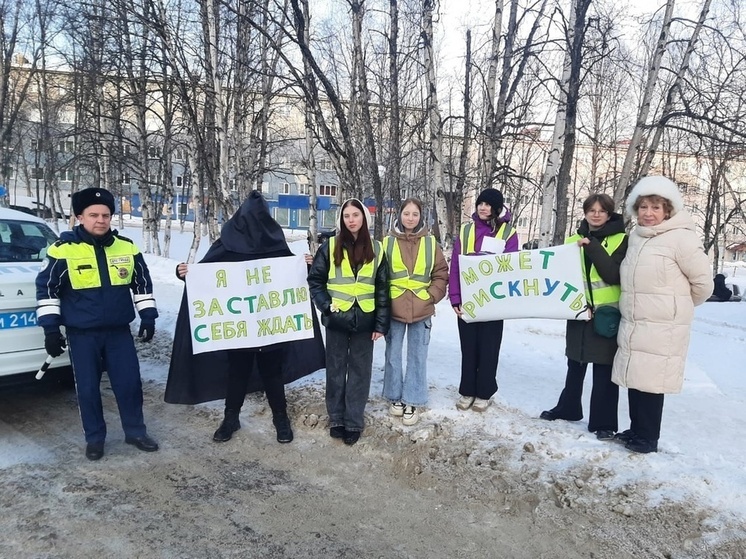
{"points": [[409, 308], [665, 274]]}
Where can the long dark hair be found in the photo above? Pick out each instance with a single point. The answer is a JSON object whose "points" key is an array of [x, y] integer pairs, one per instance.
{"points": [[361, 250]]}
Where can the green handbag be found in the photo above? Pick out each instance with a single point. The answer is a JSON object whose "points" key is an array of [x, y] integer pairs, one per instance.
{"points": [[606, 321]]}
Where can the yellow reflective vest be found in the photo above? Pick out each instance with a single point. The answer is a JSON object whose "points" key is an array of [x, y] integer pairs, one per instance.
{"points": [[345, 288], [598, 292], [82, 265], [399, 277], [468, 236]]}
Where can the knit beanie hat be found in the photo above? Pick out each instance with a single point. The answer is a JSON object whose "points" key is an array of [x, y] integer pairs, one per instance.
{"points": [[493, 197], [89, 197]]}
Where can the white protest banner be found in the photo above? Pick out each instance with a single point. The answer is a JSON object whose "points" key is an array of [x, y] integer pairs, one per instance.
{"points": [[541, 283], [248, 304]]}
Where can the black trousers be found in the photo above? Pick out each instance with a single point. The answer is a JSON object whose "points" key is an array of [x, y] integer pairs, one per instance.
{"points": [[604, 397], [645, 414], [269, 363], [480, 352]]}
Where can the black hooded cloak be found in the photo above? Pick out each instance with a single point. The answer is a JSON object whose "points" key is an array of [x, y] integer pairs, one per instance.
{"points": [[251, 234]]}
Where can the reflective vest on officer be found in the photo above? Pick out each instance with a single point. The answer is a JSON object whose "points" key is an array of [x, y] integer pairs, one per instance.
{"points": [[399, 277], [345, 288], [598, 291], [82, 266], [468, 236]]}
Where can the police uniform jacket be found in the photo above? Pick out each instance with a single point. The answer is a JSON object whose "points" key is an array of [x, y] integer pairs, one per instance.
{"points": [[107, 269]]}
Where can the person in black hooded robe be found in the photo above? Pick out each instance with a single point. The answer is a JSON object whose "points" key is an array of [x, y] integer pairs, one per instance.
{"points": [[250, 234]]}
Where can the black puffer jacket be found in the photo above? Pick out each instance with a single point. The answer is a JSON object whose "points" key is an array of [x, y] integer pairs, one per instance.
{"points": [[582, 342], [353, 320]]}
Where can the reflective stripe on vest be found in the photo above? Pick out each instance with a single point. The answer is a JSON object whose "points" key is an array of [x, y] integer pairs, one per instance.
{"points": [[82, 266], [601, 293], [399, 276], [469, 238], [345, 288]]}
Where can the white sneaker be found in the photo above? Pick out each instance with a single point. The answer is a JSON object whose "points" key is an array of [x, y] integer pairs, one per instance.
{"points": [[410, 416], [480, 404], [396, 409], [465, 402]]}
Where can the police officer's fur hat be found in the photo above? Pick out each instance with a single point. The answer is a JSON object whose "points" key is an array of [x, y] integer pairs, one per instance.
{"points": [[91, 196]]}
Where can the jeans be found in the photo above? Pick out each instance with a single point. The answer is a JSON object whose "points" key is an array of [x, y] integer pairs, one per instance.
{"points": [[349, 365], [412, 388]]}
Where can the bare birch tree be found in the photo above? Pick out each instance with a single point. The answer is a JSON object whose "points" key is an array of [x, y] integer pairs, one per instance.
{"points": [[632, 156]]}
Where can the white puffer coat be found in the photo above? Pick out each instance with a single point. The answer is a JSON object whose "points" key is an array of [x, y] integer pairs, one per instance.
{"points": [[664, 275]]}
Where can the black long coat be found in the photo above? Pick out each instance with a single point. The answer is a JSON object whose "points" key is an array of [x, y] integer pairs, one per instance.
{"points": [[250, 234], [582, 344]]}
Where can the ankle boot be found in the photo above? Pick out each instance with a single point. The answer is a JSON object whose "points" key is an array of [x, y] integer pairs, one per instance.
{"points": [[282, 425], [230, 425]]}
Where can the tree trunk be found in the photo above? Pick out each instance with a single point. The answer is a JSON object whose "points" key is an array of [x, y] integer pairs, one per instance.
{"points": [[625, 180], [675, 87], [575, 39], [490, 150], [436, 130], [549, 179]]}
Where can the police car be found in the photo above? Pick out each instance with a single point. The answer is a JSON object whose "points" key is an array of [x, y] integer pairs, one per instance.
{"points": [[24, 240]]}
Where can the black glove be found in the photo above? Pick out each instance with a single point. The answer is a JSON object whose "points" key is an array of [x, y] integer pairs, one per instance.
{"points": [[147, 329], [54, 343]]}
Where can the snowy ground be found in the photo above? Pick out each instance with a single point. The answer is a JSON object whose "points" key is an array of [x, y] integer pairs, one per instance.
{"points": [[701, 464], [702, 454]]}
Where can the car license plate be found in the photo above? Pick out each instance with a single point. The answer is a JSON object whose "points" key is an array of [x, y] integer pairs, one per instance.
{"points": [[20, 319]]}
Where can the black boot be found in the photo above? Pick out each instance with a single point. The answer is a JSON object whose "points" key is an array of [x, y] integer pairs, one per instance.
{"points": [[282, 425], [230, 425]]}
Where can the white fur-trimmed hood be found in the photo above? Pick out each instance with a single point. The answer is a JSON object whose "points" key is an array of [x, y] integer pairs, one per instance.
{"points": [[655, 186]]}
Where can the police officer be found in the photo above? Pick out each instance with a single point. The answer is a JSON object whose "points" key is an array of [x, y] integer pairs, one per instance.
{"points": [[85, 285]]}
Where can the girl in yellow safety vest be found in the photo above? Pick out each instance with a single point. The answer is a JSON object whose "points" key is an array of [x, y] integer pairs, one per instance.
{"points": [[489, 231], [349, 284], [418, 275], [604, 244]]}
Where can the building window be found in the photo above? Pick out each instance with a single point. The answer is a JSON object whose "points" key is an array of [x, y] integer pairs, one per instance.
{"points": [[302, 188], [126, 179], [327, 190], [282, 216], [154, 152], [179, 180], [66, 175], [285, 188], [37, 172], [180, 154], [36, 145], [67, 146]]}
